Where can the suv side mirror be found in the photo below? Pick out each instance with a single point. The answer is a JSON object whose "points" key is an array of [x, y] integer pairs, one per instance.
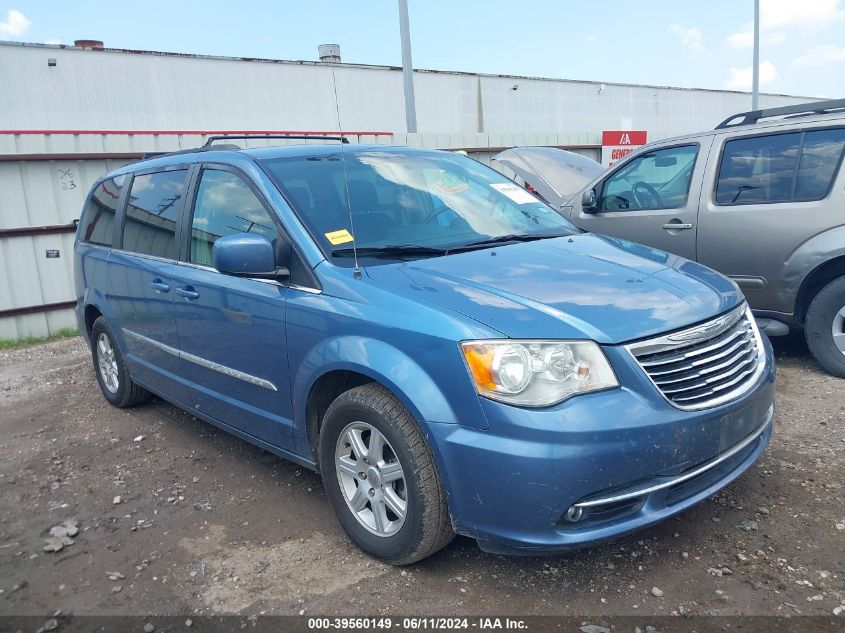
{"points": [[589, 201], [247, 255]]}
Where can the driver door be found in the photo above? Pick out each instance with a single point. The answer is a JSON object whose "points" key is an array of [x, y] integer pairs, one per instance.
{"points": [[651, 199]]}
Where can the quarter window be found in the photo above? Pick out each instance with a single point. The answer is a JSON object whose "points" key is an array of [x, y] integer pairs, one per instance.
{"points": [[820, 156], [225, 205], [797, 166], [659, 179], [97, 225], [152, 213]]}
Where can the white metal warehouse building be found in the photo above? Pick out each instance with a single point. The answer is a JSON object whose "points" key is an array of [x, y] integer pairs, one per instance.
{"points": [[69, 114]]}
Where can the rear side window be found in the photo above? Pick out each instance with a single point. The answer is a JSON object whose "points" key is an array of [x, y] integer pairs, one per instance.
{"points": [[820, 156], [152, 213], [798, 166], [225, 205], [97, 224]]}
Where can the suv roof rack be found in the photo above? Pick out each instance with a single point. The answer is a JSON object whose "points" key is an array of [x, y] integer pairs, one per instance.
{"points": [[301, 137], [801, 109]]}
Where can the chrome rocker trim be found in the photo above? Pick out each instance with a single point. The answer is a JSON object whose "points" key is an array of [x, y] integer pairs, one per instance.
{"points": [[203, 362]]}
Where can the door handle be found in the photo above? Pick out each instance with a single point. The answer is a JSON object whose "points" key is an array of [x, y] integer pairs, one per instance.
{"points": [[677, 226], [159, 285], [188, 292]]}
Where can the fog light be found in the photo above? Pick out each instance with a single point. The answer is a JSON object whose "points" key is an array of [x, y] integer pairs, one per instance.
{"points": [[574, 514]]}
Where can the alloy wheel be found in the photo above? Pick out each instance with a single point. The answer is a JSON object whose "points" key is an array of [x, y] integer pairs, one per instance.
{"points": [[371, 479], [838, 329], [107, 363]]}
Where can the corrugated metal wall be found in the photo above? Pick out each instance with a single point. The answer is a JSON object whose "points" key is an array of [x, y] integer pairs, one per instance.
{"points": [[115, 89]]}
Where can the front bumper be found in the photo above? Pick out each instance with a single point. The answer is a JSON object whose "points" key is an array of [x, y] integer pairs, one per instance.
{"points": [[618, 461]]}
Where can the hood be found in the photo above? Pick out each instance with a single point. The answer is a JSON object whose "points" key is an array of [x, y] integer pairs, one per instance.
{"points": [[584, 286], [555, 174]]}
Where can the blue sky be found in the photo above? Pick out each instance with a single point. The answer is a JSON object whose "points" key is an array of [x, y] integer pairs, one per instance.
{"points": [[695, 44]]}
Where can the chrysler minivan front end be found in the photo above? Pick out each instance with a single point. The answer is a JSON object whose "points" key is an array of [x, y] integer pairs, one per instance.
{"points": [[643, 431]]}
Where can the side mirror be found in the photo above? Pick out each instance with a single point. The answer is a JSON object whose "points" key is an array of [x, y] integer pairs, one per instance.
{"points": [[588, 201], [246, 255]]}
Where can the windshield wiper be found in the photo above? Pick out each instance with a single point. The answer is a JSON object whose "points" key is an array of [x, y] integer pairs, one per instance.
{"points": [[504, 239], [394, 250]]}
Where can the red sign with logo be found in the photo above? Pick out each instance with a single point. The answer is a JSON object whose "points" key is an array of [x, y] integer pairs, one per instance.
{"points": [[616, 144]]}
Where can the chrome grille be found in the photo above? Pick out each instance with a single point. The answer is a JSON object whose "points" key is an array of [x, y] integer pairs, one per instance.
{"points": [[705, 365]]}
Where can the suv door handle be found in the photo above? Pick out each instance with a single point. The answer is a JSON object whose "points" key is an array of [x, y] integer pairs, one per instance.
{"points": [[159, 285], [677, 226], [188, 292]]}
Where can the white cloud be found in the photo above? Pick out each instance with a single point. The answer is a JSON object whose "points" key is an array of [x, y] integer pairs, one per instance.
{"points": [[806, 13], [16, 23], [823, 55], [54, 42], [690, 37], [741, 78], [812, 15], [590, 39]]}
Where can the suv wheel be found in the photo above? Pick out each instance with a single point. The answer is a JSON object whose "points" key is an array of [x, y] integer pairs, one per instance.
{"points": [[824, 327], [380, 477], [112, 375]]}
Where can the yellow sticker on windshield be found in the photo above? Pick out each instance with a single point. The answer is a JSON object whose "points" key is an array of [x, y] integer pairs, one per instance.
{"points": [[339, 237]]}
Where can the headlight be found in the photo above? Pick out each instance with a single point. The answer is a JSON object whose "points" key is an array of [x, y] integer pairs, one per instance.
{"points": [[537, 373]]}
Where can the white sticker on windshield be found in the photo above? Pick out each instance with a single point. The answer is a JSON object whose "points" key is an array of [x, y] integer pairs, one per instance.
{"points": [[514, 192]]}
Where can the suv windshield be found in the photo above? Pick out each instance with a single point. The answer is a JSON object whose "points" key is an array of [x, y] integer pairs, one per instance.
{"points": [[400, 199]]}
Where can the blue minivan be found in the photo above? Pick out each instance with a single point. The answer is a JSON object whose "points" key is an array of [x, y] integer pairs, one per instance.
{"points": [[449, 352]]}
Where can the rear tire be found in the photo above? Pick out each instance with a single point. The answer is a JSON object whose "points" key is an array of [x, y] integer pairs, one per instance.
{"points": [[824, 327], [110, 369], [357, 421]]}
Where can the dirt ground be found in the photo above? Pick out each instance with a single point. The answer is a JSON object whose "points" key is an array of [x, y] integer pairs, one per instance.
{"points": [[177, 517]]}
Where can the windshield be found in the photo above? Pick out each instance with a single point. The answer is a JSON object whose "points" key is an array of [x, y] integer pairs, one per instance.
{"points": [[401, 198]]}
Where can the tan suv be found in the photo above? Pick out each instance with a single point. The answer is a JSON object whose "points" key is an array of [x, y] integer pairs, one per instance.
{"points": [[761, 198]]}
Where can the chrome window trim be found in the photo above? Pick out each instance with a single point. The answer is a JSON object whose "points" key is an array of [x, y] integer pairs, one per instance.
{"points": [[154, 258], [211, 269], [703, 332], [203, 362], [722, 457]]}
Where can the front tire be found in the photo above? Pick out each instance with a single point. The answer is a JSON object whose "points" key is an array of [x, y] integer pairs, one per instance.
{"points": [[380, 477], [824, 327], [112, 374]]}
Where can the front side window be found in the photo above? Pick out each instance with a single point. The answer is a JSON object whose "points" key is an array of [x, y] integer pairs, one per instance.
{"points": [[797, 166], [97, 225], [225, 205], [152, 213], [659, 179], [407, 198]]}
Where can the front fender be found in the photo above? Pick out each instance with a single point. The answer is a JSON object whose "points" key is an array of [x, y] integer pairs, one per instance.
{"points": [[805, 259], [385, 364]]}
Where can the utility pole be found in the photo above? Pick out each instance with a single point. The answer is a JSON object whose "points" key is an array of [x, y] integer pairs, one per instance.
{"points": [[755, 81], [407, 68]]}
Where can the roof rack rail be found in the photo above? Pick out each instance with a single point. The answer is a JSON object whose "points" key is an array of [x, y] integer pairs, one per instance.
{"points": [[210, 146], [813, 107], [191, 150], [301, 137]]}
